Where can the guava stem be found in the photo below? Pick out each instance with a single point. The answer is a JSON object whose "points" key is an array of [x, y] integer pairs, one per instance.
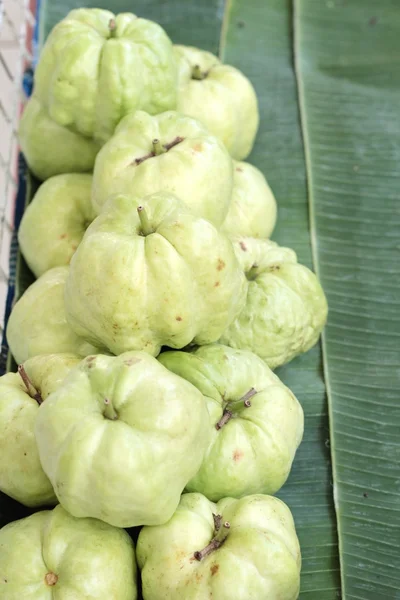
{"points": [[217, 522], [32, 391], [144, 221], [112, 26], [246, 398], [252, 273], [227, 415], [217, 541], [198, 74], [158, 148], [110, 412], [174, 142]]}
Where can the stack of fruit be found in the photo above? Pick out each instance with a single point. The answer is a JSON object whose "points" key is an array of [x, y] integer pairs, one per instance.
{"points": [[145, 395]]}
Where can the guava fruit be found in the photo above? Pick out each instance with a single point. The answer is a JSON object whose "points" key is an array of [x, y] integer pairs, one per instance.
{"points": [[252, 212], [21, 474], [256, 423], [220, 96], [53, 224], [148, 273], [170, 153], [286, 308], [53, 555], [120, 439], [243, 549], [38, 323]]}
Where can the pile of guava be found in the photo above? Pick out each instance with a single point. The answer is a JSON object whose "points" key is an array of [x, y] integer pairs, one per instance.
{"points": [[144, 425]]}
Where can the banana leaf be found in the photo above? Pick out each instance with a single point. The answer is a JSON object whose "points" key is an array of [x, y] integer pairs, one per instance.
{"points": [[327, 77]]}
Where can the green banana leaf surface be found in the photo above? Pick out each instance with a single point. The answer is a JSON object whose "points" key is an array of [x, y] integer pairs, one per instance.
{"points": [[328, 81]]}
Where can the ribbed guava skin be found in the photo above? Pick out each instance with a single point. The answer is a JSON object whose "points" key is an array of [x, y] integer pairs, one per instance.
{"points": [[21, 473], [121, 438], [286, 308], [219, 96], [53, 555], [259, 556], [192, 164], [179, 284], [256, 423]]}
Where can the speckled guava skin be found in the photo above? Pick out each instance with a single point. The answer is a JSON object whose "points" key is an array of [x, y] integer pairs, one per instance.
{"points": [[286, 308], [53, 224], [252, 212], [256, 423], [95, 68], [121, 438], [252, 551], [53, 555], [219, 96], [178, 284], [21, 474], [38, 323], [188, 162]]}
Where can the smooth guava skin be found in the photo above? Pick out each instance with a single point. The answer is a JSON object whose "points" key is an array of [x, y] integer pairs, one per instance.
{"points": [[259, 559], [225, 100], [198, 170], [83, 559], [253, 452], [130, 470], [21, 474], [53, 224], [180, 284], [253, 211], [38, 324], [286, 308], [51, 149]]}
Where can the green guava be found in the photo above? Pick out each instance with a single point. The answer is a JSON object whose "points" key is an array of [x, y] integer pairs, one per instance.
{"points": [[38, 323], [21, 474], [169, 153], [256, 422], [53, 555], [286, 308], [121, 438], [244, 549], [53, 224], [148, 273], [95, 68], [252, 211], [219, 96]]}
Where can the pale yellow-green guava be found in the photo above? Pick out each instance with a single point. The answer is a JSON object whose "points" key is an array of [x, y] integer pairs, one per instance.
{"points": [[120, 439], [21, 474], [219, 96], [53, 224], [148, 273], [53, 555], [256, 423], [169, 153], [236, 549]]}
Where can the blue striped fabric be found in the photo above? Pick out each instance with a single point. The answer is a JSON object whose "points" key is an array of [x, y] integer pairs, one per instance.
{"points": [[27, 84]]}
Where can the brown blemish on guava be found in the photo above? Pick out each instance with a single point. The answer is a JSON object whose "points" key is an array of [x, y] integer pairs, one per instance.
{"points": [[237, 455], [243, 246], [131, 361], [239, 169], [217, 284], [178, 318], [214, 569], [63, 236], [274, 268], [51, 578], [198, 147], [220, 264]]}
